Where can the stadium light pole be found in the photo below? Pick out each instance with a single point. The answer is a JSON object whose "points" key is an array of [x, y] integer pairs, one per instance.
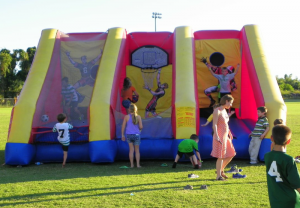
{"points": [[156, 15]]}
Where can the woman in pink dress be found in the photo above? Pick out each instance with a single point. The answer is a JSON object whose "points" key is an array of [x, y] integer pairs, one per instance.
{"points": [[222, 139]]}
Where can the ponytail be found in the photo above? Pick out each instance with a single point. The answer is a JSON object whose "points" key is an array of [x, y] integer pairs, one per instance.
{"points": [[133, 109]]}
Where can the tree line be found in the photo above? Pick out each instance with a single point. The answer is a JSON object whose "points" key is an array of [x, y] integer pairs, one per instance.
{"points": [[14, 67], [287, 83]]}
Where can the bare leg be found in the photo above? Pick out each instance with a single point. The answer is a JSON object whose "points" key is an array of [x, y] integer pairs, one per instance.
{"points": [[177, 158], [194, 158], [137, 155], [131, 151], [77, 111], [67, 111], [65, 158], [219, 166], [192, 161], [226, 161]]}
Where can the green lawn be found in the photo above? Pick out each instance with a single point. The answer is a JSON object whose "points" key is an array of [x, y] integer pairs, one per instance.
{"points": [[105, 185]]}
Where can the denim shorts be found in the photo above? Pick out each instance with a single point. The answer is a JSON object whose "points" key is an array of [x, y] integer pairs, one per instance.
{"points": [[133, 138]]}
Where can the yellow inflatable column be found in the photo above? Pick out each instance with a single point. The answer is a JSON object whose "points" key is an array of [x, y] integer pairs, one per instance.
{"points": [[100, 103], [25, 108], [102, 126], [185, 100], [267, 81]]}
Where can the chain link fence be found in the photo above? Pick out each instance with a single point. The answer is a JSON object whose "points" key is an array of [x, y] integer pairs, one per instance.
{"points": [[7, 102]]}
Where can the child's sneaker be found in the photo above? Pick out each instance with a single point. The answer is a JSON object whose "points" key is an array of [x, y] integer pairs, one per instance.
{"points": [[203, 187], [297, 160], [192, 176], [188, 187], [174, 165], [237, 175], [253, 163], [234, 169]]}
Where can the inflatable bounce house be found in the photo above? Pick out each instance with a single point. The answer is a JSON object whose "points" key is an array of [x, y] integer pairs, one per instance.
{"points": [[81, 75]]}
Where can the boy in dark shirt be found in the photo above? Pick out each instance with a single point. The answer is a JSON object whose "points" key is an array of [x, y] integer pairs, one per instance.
{"points": [[282, 173]]}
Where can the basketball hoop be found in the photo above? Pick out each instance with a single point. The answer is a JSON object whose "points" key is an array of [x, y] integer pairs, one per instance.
{"points": [[149, 76], [149, 59]]}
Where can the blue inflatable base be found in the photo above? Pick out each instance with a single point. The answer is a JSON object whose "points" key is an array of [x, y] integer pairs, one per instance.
{"points": [[103, 151], [107, 151], [54, 153], [19, 153], [149, 149]]}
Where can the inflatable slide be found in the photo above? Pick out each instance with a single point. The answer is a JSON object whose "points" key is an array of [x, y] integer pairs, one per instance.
{"points": [[81, 75]]}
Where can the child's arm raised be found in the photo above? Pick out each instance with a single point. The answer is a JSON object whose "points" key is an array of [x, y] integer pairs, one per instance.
{"points": [[237, 69]]}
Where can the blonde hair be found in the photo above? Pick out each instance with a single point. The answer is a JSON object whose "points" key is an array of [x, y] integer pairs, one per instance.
{"points": [[133, 109]]}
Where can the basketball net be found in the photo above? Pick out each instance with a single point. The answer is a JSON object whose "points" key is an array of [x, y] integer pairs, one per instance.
{"points": [[148, 76]]}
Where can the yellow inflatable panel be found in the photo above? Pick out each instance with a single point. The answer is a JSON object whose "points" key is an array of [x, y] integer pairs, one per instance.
{"points": [[185, 102], [25, 108], [267, 81], [100, 102]]}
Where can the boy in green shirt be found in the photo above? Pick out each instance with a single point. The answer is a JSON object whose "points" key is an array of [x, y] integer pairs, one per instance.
{"points": [[187, 147], [282, 174]]}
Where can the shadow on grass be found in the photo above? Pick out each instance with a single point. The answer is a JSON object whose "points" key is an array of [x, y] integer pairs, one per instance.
{"points": [[132, 190], [54, 171]]}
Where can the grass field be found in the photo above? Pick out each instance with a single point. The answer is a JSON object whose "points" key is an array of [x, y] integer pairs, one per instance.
{"points": [[105, 185]]}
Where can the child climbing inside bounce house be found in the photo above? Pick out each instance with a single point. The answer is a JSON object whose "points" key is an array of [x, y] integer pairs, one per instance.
{"points": [[187, 147], [210, 118], [258, 134], [127, 94], [62, 128]]}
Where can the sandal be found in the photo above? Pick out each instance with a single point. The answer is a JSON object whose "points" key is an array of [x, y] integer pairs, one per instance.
{"points": [[221, 179], [223, 175]]}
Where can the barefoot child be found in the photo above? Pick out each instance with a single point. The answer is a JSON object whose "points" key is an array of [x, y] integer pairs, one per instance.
{"points": [[62, 128], [133, 124]]}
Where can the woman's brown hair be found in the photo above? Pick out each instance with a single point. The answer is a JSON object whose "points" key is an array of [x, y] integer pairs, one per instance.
{"points": [[226, 98]]}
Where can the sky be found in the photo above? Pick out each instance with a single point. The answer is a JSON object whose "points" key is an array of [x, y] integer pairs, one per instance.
{"points": [[22, 21]]}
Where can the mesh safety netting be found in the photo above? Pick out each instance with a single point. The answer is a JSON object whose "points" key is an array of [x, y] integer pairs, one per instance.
{"points": [[68, 85]]}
